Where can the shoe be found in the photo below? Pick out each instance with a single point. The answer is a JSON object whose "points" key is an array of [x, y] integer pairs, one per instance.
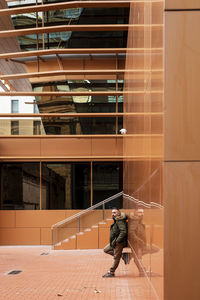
{"points": [[108, 274], [125, 258]]}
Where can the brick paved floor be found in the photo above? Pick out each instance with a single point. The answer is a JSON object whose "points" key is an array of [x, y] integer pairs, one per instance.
{"points": [[72, 274]]}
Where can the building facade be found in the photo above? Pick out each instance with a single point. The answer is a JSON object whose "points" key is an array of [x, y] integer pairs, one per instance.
{"points": [[83, 73]]}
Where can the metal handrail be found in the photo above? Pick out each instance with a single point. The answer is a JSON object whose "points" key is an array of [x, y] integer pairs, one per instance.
{"points": [[103, 202], [142, 203]]}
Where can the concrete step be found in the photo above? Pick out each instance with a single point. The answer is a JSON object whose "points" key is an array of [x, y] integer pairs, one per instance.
{"points": [[88, 240], [95, 237], [58, 246]]}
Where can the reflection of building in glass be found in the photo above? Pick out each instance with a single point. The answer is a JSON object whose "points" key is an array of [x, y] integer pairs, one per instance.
{"points": [[64, 185], [19, 125], [88, 71], [80, 104]]}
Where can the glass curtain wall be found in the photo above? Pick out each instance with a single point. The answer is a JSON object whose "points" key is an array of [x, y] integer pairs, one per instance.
{"points": [[66, 185], [64, 104], [58, 185], [62, 125], [107, 181], [143, 172], [73, 16], [20, 185]]}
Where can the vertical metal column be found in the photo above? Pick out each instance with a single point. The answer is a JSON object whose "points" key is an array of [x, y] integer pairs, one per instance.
{"points": [[116, 88], [91, 185], [40, 185], [103, 212], [43, 40]]}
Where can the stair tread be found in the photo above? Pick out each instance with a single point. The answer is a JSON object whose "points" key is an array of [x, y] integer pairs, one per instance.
{"points": [[72, 237], [68, 241], [65, 241], [58, 244], [80, 233]]}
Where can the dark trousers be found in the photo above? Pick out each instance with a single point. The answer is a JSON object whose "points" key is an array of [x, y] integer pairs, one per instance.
{"points": [[116, 253]]}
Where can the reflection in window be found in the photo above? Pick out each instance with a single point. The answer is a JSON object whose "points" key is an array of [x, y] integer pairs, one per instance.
{"points": [[35, 108], [14, 127], [65, 185], [107, 181], [66, 104], [20, 185], [69, 39], [79, 104], [36, 127], [14, 106]]}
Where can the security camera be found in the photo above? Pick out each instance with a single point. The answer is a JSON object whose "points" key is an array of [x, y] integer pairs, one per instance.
{"points": [[123, 131]]}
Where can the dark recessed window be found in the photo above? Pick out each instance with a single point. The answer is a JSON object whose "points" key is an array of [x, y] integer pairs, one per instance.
{"points": [[14, 127], [20, 186], [36, 127]]}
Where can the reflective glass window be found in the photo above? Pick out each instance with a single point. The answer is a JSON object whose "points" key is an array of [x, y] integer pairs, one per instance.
{"points": [[36, 127], [66, 185], [14, 127], [14, 106], [20, 186], [73, 16], [107, 179]]}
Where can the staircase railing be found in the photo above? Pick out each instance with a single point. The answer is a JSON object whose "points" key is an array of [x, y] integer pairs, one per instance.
{"points": [[77, 218]]}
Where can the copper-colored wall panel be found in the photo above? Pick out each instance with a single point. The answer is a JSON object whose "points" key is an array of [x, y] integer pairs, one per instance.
{"points": [[88, 240], [91, 218], [143, 175], [104, 234], [7, 219], [75, 64], [182, 223], [65, 147], [182, 4], [99, 64], [46, 236], [107, 146], [69, 213], [20, 236], [53, 65], [153, 220], [33, 218], [143, 146], [182, 87], [19, 147], [30, 227], [34, 227], [55, 147]]}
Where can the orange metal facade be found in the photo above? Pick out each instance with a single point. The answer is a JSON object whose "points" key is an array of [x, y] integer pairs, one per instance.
{"points": [[148, 151], [181, 149], [140, 66]]}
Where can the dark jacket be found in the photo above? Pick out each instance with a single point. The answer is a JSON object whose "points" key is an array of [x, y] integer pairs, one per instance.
{"points": [[119, 230]]}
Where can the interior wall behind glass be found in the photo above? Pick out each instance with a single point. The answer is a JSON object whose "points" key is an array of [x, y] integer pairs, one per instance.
{"points": [[66, 185], [20, 186], [107, 181]]}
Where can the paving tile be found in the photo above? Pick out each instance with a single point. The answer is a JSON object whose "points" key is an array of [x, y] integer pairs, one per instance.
{"points": [[70, 274]]}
